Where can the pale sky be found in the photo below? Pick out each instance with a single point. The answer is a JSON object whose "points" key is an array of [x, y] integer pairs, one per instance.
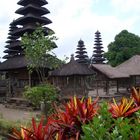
{"points": [[79, 19]]}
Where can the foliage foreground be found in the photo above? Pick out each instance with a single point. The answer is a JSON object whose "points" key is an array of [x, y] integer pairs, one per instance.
{"points": [[45, 93], [84, 119]]}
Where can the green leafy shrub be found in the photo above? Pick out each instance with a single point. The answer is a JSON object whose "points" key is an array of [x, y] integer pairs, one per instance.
{"points": [[105, 127], [6, 127], [99, 127], [43, 93]]}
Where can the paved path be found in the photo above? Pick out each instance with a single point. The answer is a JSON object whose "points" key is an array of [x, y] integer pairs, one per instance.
{"points": [[15, 115]]}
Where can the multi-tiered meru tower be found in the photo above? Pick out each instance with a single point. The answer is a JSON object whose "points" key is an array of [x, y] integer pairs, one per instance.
{"points": [[97, 57], [32, 13], [13, 44], [81, 53]]}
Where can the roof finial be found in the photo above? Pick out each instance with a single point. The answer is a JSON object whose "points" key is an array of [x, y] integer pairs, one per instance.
{"points": [[72, 57]]}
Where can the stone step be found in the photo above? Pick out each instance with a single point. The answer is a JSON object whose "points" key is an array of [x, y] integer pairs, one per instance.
{"points": [[18, 103]]}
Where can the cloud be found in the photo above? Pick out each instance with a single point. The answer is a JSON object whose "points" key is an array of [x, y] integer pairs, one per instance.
{"points": [[131, 6], [78, 19], [72, 23], [7, 14], [69, 23]]}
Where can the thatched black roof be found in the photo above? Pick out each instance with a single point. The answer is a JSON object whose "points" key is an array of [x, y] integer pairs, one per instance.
{"points": [[32, 18], [13, 45], [131, 66], [30, 29], [20, 61], [72, 68], [15, 62], [33, 8], [38, 2], [109, 71]]}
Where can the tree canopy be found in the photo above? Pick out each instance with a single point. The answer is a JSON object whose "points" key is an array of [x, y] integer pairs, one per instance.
{"points": [[125, 46], [38, 50]]}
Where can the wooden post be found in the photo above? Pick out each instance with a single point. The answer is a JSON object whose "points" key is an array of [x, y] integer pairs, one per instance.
{"points": [[74, 86], [117, 86], [85, 87], [107, 87], [97, 88], [9, 87]]}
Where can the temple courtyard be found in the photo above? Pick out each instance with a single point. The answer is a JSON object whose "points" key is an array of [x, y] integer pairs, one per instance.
{"points": [[16, 114]]}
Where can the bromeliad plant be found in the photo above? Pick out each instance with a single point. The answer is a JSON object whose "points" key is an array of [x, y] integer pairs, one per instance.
{"points": [[136, 95], [84, 118], [83, 110], [123, 109], [64, 124], [67, 123], [22, 134], [36, 132]]}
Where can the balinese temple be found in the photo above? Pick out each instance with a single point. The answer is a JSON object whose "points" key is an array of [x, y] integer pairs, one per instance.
{"points": [[81, 53], [32, 13], [71, 79], [97, 57]]}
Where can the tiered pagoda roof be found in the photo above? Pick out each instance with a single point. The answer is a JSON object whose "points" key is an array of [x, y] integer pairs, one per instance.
{"points": [[81, 52], [97, 57], [37, 2], [30, 7], [32, 12], [13, 45]]}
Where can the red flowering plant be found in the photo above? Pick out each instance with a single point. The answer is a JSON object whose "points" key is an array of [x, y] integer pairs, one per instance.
{"points": [[22, 134], [135, 92], [82, 110], [60, 128], [36, 132], [124, 108], [66, 124]]}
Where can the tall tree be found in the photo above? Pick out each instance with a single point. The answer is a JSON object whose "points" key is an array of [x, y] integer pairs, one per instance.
{"points": [[125, 46], [38, 51]]}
